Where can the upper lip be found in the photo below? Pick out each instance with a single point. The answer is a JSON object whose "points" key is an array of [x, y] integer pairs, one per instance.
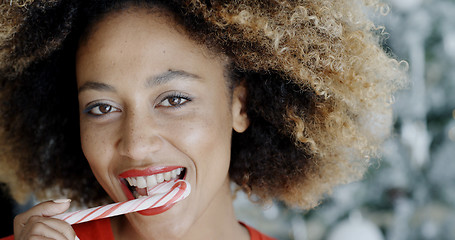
{"points": [[147, 171]]}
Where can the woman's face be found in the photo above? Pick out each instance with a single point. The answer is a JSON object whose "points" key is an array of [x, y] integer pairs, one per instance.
{"points": [[153, 103]]}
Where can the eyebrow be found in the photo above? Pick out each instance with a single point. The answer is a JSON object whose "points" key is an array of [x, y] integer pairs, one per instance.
{"points": [[151, 82], [169, 76], [96, 86]]}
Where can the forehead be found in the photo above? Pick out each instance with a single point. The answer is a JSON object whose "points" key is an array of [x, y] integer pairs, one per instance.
{"points": [[124, 31], [115, 9], [137, 44], [140, 22], [120, 26]]}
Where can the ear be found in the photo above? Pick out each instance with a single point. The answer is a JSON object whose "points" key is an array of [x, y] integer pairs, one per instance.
{"points": [[240, 118]]}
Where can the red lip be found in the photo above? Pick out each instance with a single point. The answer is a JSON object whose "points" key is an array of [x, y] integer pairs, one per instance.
{"points": [[144, 172], [147, 171], [127, 192], [155, 211], [147, 212]]}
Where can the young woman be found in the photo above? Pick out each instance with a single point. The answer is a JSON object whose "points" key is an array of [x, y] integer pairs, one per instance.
{"points": [[284, 98]]}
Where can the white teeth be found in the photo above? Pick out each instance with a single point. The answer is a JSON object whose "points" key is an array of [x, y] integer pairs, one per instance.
{"points": [[159, 178], [152, 180], [141, 183], [129, 181], [167, 176]]}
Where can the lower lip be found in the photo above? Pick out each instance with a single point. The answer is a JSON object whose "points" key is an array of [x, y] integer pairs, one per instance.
{"points": [[155, 211], [147, 212]]}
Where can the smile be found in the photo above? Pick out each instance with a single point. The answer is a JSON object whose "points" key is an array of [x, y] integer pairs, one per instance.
{"points": [[139, 182]]}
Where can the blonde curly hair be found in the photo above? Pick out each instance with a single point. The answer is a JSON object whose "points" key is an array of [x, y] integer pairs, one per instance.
{"points": [[320, 89]]}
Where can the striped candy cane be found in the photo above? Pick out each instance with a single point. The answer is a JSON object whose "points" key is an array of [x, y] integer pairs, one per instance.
{"points": [[161, 195]]}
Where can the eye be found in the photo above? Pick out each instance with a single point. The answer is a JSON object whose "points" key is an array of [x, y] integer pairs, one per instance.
{"points": [[174, 101], [100, 109]]}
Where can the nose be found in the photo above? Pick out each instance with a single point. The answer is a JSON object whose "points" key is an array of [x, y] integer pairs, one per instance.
{"points": [[140, 137]]}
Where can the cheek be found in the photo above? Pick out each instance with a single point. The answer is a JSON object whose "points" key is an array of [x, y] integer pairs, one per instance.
{"points": [[94, 147], [208, 142]]}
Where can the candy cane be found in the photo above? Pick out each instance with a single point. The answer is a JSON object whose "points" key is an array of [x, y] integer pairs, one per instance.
{"points": [[161, 195]]}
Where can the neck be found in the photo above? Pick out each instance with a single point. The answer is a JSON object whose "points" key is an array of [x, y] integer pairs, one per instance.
{"points": [[219, 222]]}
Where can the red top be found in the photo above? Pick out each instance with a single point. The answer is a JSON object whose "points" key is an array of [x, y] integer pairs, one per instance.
{"points": [[255, 234], [101, 230]]}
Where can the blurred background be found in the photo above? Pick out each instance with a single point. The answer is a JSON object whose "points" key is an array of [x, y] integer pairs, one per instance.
{"points": [[410, 193]]}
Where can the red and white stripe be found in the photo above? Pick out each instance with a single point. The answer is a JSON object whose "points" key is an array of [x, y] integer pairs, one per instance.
{"points": [[160, 195]]}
